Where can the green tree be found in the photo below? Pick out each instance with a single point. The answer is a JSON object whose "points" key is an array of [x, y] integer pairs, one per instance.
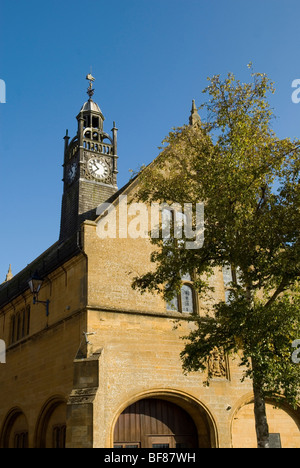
{"points": [[248, 180]]}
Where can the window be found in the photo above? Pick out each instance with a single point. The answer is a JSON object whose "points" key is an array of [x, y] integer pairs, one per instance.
{"points": [[173, 304], [12, 329], [21, 440], [184, 302], [59, 436], [186, 277], [230, 276], [187, 304], [129, 445], [95, 122], [172, 219], [20, 325], [172, 222], [87, 121]]}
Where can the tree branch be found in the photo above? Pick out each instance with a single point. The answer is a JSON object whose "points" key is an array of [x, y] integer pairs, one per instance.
{"points": [[281, 288]]}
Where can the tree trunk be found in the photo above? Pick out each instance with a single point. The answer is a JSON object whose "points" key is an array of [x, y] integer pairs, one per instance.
{"points": [[261, 423]]}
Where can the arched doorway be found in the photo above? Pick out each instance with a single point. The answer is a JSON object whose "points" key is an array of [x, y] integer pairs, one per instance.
{"points": [[157, 423]]}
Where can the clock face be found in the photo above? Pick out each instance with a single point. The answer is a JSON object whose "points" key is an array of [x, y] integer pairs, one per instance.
{"points": [[71, 173], [98, 169]]}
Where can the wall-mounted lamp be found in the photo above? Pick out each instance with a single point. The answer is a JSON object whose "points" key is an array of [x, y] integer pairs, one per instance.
{"points": [[35, 284]]}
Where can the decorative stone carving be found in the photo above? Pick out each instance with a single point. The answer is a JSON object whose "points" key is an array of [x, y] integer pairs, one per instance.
{"points": [[217, 367]]}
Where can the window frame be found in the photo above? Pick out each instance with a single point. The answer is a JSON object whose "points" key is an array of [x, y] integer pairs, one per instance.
{"points": [[180, 302], [124, 445], [21, 440], [20, 325], [59, 436], [189, 285]]}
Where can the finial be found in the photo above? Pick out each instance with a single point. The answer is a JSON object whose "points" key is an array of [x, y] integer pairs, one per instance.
{"points": [[90, 90], [194, 117], [9, 275]]}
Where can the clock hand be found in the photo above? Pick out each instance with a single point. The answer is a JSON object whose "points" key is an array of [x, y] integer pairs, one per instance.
{"points": [[95, 167]]}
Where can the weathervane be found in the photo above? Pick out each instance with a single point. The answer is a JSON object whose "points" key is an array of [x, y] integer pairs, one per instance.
{"points": [[90, 90]]}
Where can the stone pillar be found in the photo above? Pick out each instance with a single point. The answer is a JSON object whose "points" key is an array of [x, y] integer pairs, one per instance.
{"points": [[80, 406]]}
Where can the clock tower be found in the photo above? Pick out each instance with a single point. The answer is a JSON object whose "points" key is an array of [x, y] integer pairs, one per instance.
{"points": [[90, 167]]}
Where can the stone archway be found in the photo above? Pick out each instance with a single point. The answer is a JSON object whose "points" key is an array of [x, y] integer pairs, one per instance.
{"points": [[162, 422], [15, 430], [51, 425], [284, 427]]}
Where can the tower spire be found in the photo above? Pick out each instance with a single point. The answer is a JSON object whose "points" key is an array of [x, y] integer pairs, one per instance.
{"points": [[9, 275], [194, 117], [90, 167]]}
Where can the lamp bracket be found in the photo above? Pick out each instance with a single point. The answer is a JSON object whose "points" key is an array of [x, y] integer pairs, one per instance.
{"points": [[45, 303]]}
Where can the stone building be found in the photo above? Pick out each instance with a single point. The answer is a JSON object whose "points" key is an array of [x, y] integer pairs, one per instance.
{"points": [[90, 362]]}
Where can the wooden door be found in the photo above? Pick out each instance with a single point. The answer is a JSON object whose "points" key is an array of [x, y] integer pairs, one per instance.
{"points": [[153, 423], [160, 442]]}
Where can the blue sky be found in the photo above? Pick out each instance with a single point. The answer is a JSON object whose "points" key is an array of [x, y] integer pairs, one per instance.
{"points": [[150, 59]]}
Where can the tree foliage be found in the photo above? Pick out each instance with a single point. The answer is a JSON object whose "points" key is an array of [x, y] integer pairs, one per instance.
{"points": [[248, 180]]}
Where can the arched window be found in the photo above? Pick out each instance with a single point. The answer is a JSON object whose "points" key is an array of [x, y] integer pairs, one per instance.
{"points": [[27, 321], [95, 122], [20, 325], [184, 302], [187, 300], [231, 276], [13, 329]]}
